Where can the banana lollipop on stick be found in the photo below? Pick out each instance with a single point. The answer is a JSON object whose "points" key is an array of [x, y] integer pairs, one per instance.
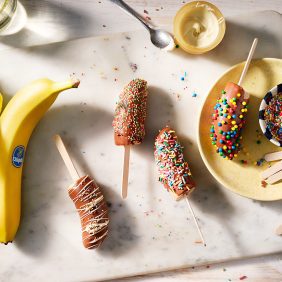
{"points": [[129, 122], [89, 202], [174, 171], [229, 115]]}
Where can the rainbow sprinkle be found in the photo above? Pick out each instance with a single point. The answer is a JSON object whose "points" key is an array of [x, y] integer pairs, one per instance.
{"points": [[273, 116], [130, 113], [173, 170], [227, 121]]}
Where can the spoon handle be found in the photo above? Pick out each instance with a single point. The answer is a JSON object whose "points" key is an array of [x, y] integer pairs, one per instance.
{"points": [[132, 12]]}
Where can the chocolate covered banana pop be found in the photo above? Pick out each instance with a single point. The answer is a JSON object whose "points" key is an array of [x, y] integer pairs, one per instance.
{"points": [[228, 120], [229, 115], [92, 209], [174, 171], [129, 122], [89, 202], [130, 113]]}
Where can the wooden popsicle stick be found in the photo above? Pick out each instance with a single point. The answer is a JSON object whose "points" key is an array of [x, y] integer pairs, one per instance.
{"points": [[275, 156], [195, 220], [125, 171], [247, 64], [274, 178], [272, 170], [66, 158]]}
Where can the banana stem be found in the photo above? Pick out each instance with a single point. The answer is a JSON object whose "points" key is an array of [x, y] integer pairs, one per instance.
{"points": [[63, 85]]}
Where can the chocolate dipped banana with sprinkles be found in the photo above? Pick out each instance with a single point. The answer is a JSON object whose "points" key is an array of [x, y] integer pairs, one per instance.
{"points": [[174, 171], [130, 114], [129, 122], [229, 115], [228, 120]]}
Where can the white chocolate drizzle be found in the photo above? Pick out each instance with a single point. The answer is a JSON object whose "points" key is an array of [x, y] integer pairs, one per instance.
{"points": [[93, 202]]}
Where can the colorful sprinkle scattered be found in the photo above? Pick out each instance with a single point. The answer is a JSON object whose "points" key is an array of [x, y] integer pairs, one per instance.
{"points": [[133, 67], [194, 94], [198, 242], [243, 277], [263, 184], [260, 162]]}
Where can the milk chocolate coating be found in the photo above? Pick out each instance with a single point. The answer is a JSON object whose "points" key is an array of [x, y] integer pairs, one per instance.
{"points": [[92, 209], [228, 120], [130, 114]]}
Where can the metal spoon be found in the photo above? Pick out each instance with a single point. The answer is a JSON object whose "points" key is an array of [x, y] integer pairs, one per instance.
{"points": [[160, 38]]}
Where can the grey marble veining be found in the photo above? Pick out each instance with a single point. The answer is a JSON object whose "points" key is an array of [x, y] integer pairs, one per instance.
{"points": [[149, 231]]}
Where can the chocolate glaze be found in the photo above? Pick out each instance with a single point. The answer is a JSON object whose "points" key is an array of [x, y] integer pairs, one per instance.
{"points": [[92, 209]]}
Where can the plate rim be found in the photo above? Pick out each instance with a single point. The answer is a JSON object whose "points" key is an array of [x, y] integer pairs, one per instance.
{"points": [[210, 169]]}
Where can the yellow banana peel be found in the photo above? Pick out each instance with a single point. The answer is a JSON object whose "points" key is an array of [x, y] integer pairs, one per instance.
{"points": [[17, 122]]}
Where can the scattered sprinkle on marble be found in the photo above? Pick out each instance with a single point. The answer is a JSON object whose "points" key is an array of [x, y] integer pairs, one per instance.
{"points": [[146, 12], [133, 67], [198, 242], [127, 37], [243, 277], [194, 94]]}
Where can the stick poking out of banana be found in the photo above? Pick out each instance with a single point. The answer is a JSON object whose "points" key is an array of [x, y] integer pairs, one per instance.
{"points": [[17, 122]]}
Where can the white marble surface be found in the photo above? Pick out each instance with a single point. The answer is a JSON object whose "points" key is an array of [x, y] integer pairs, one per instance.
{"points": [[149, 231]]}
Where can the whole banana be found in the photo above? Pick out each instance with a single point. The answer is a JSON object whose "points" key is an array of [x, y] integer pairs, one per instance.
{"points": [[17, 122]]}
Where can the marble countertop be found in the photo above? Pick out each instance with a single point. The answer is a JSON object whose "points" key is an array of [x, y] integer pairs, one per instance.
{"points": [[70, 20]]}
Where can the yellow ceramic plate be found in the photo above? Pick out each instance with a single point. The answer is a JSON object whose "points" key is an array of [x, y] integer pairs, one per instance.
{"points": [[240, 178]]}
